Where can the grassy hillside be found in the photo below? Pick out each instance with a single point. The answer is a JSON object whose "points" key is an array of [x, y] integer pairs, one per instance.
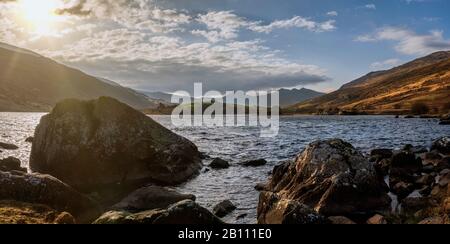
{"points": [[30, 82], [424, 82]]}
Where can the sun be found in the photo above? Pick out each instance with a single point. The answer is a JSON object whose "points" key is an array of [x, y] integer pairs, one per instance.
{"points": [[40, 15]]}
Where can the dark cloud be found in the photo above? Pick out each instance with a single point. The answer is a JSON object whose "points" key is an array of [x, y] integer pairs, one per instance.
{"points": [[182, 77]]}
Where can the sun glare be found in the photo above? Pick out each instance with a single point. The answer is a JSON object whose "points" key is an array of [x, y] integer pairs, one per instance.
{"points": [[40, 14]]}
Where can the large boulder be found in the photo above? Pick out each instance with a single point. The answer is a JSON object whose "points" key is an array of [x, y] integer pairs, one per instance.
{"points": [[105, 144], [47, 190], [151, 197], [184, 212], [331, 177], [224, 208]]}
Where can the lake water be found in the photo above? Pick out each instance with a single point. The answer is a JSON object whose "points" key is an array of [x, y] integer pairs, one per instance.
{"points": [[243, 143]]}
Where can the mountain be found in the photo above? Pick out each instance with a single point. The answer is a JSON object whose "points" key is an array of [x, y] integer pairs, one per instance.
{"points": [[31, 82], [424, 81], [287, 97], [294, 96], [161, 96]]}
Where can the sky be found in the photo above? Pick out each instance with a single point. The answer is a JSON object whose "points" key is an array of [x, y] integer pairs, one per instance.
{"points": [[167, 45]]}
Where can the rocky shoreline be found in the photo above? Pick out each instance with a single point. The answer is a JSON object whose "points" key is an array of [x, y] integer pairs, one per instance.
{"points": [[103, 162], [331, 182]]}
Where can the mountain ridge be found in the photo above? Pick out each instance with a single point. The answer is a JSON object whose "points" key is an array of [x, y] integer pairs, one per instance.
{"points": [[287, 96], [30, 82], [424, 80]]}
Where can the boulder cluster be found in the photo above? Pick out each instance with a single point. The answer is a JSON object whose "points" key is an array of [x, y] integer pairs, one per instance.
{"points": [[332, 182], [103, 162], [101, 159]]}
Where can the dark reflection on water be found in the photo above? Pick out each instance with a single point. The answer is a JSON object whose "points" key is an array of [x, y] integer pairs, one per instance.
{"points": [[237, 144]]}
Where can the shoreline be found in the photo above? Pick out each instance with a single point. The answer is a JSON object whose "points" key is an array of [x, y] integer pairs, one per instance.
{"points": [[292, 145]]}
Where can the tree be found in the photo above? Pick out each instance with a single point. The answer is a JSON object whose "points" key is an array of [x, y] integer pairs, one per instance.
{"points": [[419, 108]]}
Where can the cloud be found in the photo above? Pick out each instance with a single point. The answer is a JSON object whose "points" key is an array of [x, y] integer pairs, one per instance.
{"points": [[295, 22], [148, 47], [431, 19], [162, 63], [333, 13], [370, 6], [415, 1], [386, 64], [135, 14], [409, 42], [225, 25]]}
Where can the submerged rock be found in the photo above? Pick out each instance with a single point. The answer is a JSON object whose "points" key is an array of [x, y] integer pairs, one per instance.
{"points": [[29, 139], [8, 146], [254, 163], [46, 190], [151, 197], [105, 144], [219, 163], [11, 164], [444, 122], [184, 212], [331, 177], [224, 208], [241, 216], [12, 212]]}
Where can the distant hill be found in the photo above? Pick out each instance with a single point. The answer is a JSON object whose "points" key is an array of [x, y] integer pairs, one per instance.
{"points": [[287, 97], [424, 81], [161, 96], [294, 96], [30, 82]]}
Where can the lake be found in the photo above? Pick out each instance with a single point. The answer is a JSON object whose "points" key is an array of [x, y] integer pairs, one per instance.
{"points": [[238, 144]]}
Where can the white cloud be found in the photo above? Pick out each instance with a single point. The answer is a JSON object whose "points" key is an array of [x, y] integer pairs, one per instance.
{"points": [[333, 13], [370, 6], [386, 64], [175, 63], [136, 14], [225, 25], [295, 22], [409, 42], [144, 46], [415, 1]]}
